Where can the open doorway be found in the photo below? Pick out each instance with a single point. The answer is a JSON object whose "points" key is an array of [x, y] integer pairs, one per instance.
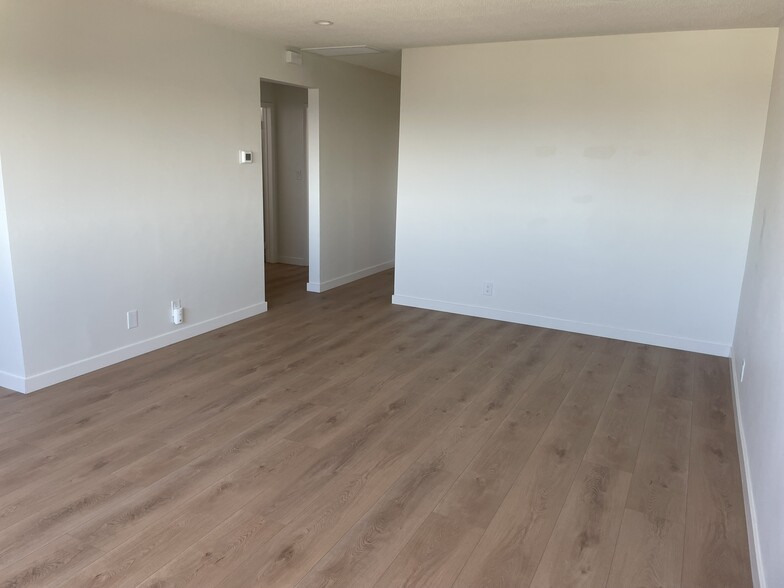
{"points": [[284, 129]]}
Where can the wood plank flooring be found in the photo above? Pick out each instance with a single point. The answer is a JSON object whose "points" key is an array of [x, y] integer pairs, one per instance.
{"points": [[338, 440]]}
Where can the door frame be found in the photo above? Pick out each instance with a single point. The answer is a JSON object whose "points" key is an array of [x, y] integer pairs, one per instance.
{"points": [[312, 165], [313, 175], [269, 192]]}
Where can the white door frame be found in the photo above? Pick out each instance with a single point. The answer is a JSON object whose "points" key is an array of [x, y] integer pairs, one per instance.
{"points": [[268, 183], [314, 190], [312, 161]]}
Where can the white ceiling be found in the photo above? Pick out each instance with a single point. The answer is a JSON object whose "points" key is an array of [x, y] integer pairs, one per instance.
{"points": [[396, 24], [388, 61]]}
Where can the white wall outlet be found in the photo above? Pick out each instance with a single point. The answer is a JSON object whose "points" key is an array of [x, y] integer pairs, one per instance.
{"points": [[246, 157], [487, 289], [177, 312], [742, 369], [132, 319]]}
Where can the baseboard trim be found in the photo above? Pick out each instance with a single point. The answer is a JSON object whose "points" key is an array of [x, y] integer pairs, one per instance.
{"points": [[707, 347], [12, 382], [348, 278], [757, 569], [291, 260], [102, 360]]}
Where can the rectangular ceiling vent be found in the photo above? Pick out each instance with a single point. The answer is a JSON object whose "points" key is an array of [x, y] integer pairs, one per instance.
{"points": [[343, 50]]}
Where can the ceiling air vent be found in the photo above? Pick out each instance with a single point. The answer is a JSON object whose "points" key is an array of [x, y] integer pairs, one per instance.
{"points": [[343, 50]]}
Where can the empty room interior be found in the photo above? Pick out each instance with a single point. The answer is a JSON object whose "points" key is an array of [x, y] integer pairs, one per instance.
{"points": [[469, 293]]}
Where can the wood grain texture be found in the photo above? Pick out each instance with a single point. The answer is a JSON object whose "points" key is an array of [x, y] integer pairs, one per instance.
{"points": [[712, 395], [581, 547], [676, 374], [517, 535], [362, 555], [339, 440], [660, 481], [56, 559], [716, 547], [649, 553], [146, 551], [478, 492], [208, 560], [434, 555], [617, 438]]}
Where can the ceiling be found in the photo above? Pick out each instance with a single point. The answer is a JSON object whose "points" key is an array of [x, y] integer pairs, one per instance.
{"points": [[396, 24], [388, 61]]}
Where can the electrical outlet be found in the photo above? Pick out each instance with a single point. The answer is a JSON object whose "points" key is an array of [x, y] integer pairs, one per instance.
{"points": [[132, 319], [487, 290], [742, 369]]}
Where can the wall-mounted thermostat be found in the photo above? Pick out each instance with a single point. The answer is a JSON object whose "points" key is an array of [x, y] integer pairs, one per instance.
{"points": [[246, 157]]}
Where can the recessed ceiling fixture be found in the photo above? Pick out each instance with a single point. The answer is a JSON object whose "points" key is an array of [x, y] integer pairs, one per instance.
{"points": [[324, 23], [343, 50]]}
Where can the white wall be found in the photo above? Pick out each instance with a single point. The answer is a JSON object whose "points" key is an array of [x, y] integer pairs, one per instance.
{"points": [[605, 185], [11, 360], [119, 130], [759, 340], [359, 130], [292, 175], [289, 110]]}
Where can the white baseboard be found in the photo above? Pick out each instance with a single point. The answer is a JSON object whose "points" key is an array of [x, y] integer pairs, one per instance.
{"points": [[102, 360], [510, 316], [12, 382], [348, 278], [757, 570], [292, 260]]}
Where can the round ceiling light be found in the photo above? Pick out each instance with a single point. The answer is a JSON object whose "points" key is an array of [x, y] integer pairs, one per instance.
{"points": [[324, 23]]}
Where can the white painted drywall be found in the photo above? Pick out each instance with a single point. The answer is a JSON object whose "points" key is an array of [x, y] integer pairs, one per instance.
{"points": [[759, 340], [11, 359], [289, 111], [120, 128], [358, 157], [604, 185], [292, 175]]}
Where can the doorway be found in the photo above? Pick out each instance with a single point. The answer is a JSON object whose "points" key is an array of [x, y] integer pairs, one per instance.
{"points": [[286, 193]]}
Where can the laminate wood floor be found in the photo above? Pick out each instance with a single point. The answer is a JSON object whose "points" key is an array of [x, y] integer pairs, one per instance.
{"points": [[338, 440]]}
